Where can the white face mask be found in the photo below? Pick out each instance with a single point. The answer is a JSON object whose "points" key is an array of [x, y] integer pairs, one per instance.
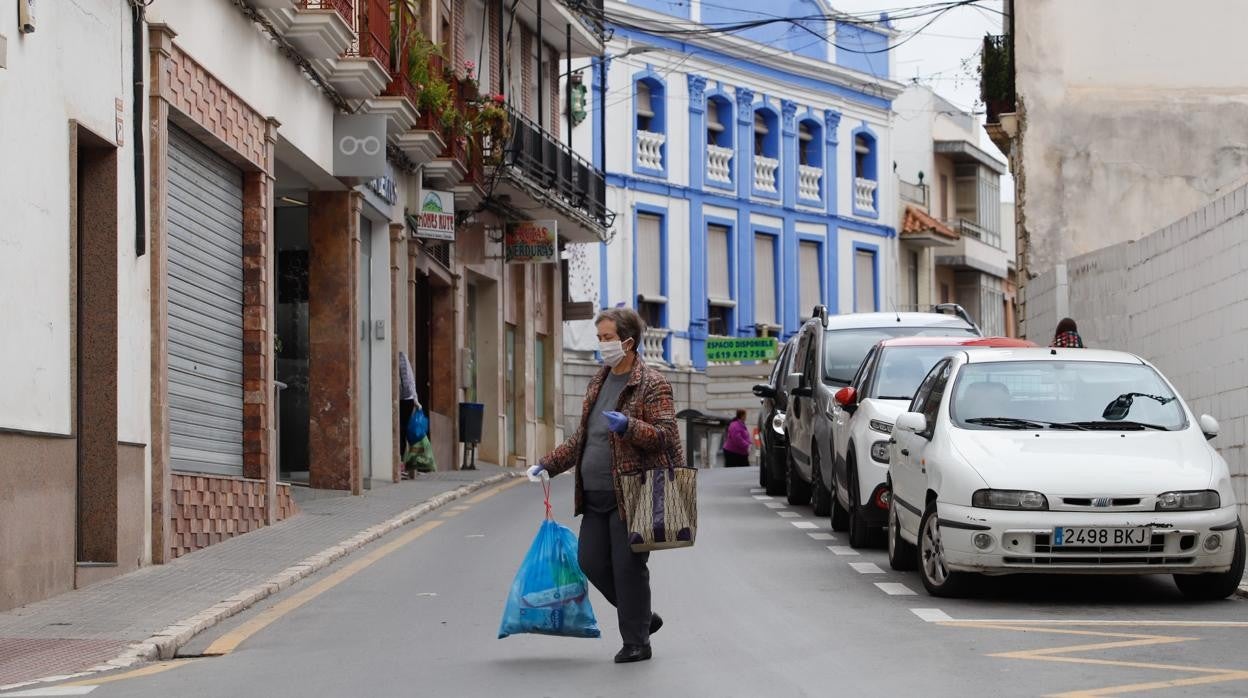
{"points": [[612, 352]]}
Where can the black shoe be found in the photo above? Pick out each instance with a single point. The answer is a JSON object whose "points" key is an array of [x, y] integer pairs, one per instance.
{"points": [[656, 622], [632, 653]]}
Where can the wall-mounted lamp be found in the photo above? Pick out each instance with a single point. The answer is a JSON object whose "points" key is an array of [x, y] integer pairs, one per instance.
{"points": [[26, 16]]}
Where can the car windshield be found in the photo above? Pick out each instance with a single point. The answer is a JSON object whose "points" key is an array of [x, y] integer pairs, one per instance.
{"points": [[1064, 394], [903, 368], [843, 350]]}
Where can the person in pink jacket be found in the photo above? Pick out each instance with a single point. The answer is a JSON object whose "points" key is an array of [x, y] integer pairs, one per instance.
{"points": [[737, 443]]}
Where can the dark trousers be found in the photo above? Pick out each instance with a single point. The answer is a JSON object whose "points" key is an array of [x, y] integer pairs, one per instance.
{"points": [[406, 408], [736, 460], [612, 566]]}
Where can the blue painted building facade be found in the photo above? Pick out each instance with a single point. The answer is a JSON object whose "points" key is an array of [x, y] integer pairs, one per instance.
{"points": [[746, 172]]}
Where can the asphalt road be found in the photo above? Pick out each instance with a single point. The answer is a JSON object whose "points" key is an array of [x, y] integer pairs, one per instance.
{"points": [[766, 604]]}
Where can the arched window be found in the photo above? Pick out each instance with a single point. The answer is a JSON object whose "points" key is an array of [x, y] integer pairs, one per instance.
{"points": [[650, 125], [719, 122], [766, 134], [810, 144], [866, 173], [864, 156]]}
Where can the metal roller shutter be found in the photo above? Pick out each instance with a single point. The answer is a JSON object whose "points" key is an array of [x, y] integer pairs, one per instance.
{"points": [[205, 281]]}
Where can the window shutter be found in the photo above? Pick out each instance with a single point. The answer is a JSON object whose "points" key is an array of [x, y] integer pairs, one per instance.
{"points": [[764, 280], [717, 271], [649, 256], [864, 281], [644, 105], [808, 275]]}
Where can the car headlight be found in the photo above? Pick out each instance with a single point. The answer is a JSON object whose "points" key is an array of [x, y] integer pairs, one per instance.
{"points": [[882, 427], [1009, 499], [1188, 501], [777, 423], [879, 451]]}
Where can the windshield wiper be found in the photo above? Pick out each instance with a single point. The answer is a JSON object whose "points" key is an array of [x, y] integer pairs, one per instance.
{"points": [[1015, 423], [1121, 425]]}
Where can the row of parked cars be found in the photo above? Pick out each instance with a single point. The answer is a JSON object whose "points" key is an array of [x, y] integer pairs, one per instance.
{"points": [[967, 455]]}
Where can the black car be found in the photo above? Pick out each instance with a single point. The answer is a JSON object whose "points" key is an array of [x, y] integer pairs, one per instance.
{"points": [[773, 456]]}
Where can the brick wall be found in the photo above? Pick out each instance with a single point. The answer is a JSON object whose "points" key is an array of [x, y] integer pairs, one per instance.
{"points": [[457, 28], [208, 509], [197, 94], [495, 9], [1178, 298], [555, 94]]}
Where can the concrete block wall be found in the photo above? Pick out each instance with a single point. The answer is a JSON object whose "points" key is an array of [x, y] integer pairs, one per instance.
{"points": [[1178, 298]]}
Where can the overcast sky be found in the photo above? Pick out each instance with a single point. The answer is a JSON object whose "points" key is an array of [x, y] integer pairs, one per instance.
{"points": [[944, 56]]}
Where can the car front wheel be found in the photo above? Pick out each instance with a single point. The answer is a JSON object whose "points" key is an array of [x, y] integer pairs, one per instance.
{"points": [[937, 578], [1218, 585]]}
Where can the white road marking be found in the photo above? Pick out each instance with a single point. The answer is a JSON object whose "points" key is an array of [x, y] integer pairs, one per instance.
{"points": [[789, 514], [757, 490], [822, 536], [842, 550], [475, 535], [931, 615], [762, 497], [774, 505], [55, 691], [895, 589], [866, 568], [805, 524]]}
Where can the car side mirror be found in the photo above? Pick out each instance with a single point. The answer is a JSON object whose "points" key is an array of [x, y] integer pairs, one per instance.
{"points": [[913, 422], [847, 398], [764, 391], [1209, 426]]}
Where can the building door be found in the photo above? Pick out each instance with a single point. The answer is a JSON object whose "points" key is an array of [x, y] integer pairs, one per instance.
{"points": [[365, 364], [205, 309]]}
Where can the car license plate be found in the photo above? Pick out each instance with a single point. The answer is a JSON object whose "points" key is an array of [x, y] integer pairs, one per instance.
{"points": [[1082, 535]]}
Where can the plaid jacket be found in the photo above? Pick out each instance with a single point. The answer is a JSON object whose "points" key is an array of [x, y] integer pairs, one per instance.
{"points": [[1070, 340], [651, 441]]}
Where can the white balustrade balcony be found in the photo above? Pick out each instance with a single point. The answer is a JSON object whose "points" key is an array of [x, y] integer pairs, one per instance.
{"points": [[864, 194], [719, 164], [652, 345], [808, 179], [765, 173], [650, 150]]}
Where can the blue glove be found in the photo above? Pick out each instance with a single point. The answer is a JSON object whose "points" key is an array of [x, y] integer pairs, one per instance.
{"points": [[616, 422], [537, 473]]}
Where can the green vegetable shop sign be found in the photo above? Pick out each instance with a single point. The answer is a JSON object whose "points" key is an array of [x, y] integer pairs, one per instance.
{"points": [[722, 350]]}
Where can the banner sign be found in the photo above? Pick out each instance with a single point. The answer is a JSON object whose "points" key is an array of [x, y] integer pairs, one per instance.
{"points": [[721, 350], [532, 242], [436, 218]]}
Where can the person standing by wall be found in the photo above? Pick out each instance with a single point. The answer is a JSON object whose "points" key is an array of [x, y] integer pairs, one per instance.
{"points": [[1067, 335], [737, 443], [628, 424]]}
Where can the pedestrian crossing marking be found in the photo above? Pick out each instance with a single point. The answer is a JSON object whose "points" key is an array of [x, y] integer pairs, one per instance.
{"points": [[789, 514], [822, 536], [774, 505], [866, 568], [896, 589], [842, 550], [762, 497], [805, 524], [757, 490], [931, 615]]}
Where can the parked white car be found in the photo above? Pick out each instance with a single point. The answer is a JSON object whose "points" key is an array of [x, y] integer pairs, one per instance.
{"points": [[1059, 461], [862, 420]]}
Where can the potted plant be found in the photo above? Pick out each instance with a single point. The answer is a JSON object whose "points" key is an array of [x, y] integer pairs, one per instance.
{"points": [[468, 85]]}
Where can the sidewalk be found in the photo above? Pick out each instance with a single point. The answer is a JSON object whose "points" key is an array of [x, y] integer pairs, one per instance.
{"points": [[152, 612]]}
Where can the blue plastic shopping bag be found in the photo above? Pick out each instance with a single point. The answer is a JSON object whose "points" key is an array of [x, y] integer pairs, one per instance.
{"points": [[550, 595]]}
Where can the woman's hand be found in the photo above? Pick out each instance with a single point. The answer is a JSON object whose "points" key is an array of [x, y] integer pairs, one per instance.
{"points": [[616, 421], [537, 473]]}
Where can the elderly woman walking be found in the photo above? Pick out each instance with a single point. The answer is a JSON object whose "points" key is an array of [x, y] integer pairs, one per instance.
{"points": [[627, 424]]}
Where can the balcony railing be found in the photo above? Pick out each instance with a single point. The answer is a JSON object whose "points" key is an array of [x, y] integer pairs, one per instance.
{"points": [[972, 229], [652, 345], [864, 194], [650, 150], [537, 157], [372, 30], [914, 193], [346, 8], [996, 80], [808, 182], [765, 173], [719, 164]]}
